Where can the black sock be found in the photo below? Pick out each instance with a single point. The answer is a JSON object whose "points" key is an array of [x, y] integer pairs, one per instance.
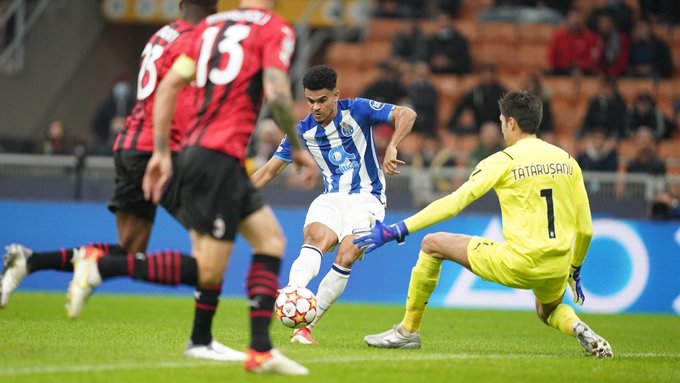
{"points": [[262, 284], [161, 267], [61, 260], [206, 304]]}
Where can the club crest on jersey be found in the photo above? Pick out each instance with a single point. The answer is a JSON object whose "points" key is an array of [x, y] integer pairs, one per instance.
{"points": [[376, 105], [346, 129], [219, 228]]}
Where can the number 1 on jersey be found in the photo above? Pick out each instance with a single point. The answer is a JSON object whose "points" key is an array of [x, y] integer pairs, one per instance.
{"points": [[548, 195]]}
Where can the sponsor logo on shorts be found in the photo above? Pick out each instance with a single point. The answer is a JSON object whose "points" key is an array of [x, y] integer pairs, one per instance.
{"points": [[219, 228]]}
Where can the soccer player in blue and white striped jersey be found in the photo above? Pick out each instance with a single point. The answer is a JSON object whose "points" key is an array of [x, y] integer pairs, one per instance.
{"points": [[339, 134]]}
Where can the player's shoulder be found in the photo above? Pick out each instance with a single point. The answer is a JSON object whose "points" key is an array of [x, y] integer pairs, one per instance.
{"points": [[363, 104], [305, 124]]}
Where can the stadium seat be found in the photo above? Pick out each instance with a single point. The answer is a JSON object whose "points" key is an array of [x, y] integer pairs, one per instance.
{"points": [[630, 88], [501, 54], [560, 86], [536, 33], [447, 85], [346, 55], [626, 149], [351, 82], [384, 29], [467, 28], [376, 52], [530, 57], [498, 32], [670, 149]]}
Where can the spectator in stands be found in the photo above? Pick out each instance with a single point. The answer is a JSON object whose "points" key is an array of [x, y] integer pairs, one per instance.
{"points": [[433, 155], [546, 130], [666, 11], [388, 87], [490, 141], [56, 139], [424, 99], [482, 99], [619, 12], [664, 207], [646, 113], [674, 126], [614, 47], [599, 154], [109, 118], [403, 8], [646, 160], [573, 48], [448, 49], [450, 7], [465, 124], [410, 43], [606, 110], [649, 55]]}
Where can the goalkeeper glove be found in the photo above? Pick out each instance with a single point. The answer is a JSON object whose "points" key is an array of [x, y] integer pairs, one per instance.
{"points": [[575, 284]]}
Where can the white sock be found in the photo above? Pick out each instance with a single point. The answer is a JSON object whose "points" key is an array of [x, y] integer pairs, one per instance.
{"points": [[305, 267], [330, 289]]}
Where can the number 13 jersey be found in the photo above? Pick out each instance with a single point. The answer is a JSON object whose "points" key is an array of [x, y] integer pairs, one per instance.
{"points": [[227, 60]]}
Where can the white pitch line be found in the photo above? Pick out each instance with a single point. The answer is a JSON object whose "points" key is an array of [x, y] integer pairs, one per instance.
{"points": [[388, 356]]}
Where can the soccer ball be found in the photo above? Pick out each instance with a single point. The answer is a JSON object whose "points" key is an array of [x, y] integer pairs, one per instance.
{"points": [[296, 306]]}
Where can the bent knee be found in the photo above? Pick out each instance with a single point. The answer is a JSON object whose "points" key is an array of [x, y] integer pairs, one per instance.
{"points": [[210, 277], [432, 244], [273, 244]]}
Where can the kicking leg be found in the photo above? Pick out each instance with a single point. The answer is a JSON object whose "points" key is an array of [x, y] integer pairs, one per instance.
{"points": [[318, 239]]}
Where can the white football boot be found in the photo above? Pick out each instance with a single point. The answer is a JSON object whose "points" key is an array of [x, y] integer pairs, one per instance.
{"points": [[592, 343], [272, 362], [14, 271], [393, 338], [214, 351], [86, 278]]}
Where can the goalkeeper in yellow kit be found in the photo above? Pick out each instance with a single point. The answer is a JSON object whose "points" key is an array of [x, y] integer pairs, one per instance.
{"points": [[546, 225]]}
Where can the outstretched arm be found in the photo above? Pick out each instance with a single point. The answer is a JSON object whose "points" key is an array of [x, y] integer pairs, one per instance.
{"points": [[403, 119], [268, 172]]}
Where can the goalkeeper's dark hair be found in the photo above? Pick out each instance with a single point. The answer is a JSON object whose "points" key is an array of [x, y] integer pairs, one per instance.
{"points": [[320, 77], [206, 4], [525, 107]]}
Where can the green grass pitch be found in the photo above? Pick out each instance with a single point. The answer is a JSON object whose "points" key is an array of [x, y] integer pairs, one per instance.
{"points": [[122, 338]]}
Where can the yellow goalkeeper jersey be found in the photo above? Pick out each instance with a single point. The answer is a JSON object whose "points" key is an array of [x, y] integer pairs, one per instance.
{"points": [[542, 196]]}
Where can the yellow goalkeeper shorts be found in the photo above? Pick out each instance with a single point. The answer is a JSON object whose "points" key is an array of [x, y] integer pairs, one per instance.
{"points": [[495, 262]]}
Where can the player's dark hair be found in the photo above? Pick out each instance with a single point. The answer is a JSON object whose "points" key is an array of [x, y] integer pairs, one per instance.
{"points": [[206, 4], [525, 107], [320, 77]]}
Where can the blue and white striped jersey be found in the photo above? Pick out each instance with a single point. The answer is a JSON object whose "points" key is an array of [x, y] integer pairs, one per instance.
{"points": [[344, 149]]}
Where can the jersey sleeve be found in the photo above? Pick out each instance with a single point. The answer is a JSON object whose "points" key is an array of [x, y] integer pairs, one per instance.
{"points": [[284, 151], [279, 47], [485, 176], [377, 112], [584, 221]]}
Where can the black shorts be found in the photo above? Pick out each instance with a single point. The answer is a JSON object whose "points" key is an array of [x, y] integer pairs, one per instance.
{"points": [[214, 192], [129, 196]]}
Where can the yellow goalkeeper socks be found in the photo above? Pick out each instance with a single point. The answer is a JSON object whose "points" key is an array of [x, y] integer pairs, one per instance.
{"points": [[563, 319], [424, 278]]}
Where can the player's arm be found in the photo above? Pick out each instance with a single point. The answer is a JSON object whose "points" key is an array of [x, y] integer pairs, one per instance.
{"points": [[403, 118], [483, 178], [584, 221], [278, 94], [159, 168], [268, 172]]}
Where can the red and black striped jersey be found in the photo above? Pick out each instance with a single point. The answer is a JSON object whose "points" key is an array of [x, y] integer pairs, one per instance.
{"points": [[231, 51], [157, 58]]}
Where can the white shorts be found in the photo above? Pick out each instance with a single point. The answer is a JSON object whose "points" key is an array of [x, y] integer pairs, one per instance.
{"points": [[343, 213]]}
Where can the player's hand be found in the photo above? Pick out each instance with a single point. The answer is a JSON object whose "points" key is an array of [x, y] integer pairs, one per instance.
{"points": [[390, 162], [306, 166], [379, 235], [575, 283], [158, 172]]}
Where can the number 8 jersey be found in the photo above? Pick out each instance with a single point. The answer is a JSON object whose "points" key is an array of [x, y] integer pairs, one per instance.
{"points": [[164, 47], [230, 52]]}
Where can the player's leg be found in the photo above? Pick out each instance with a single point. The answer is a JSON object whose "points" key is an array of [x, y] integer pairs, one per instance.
{"points": [[424, 278], [264, 234], [562, 317], [134, 230], [321, 232]]}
